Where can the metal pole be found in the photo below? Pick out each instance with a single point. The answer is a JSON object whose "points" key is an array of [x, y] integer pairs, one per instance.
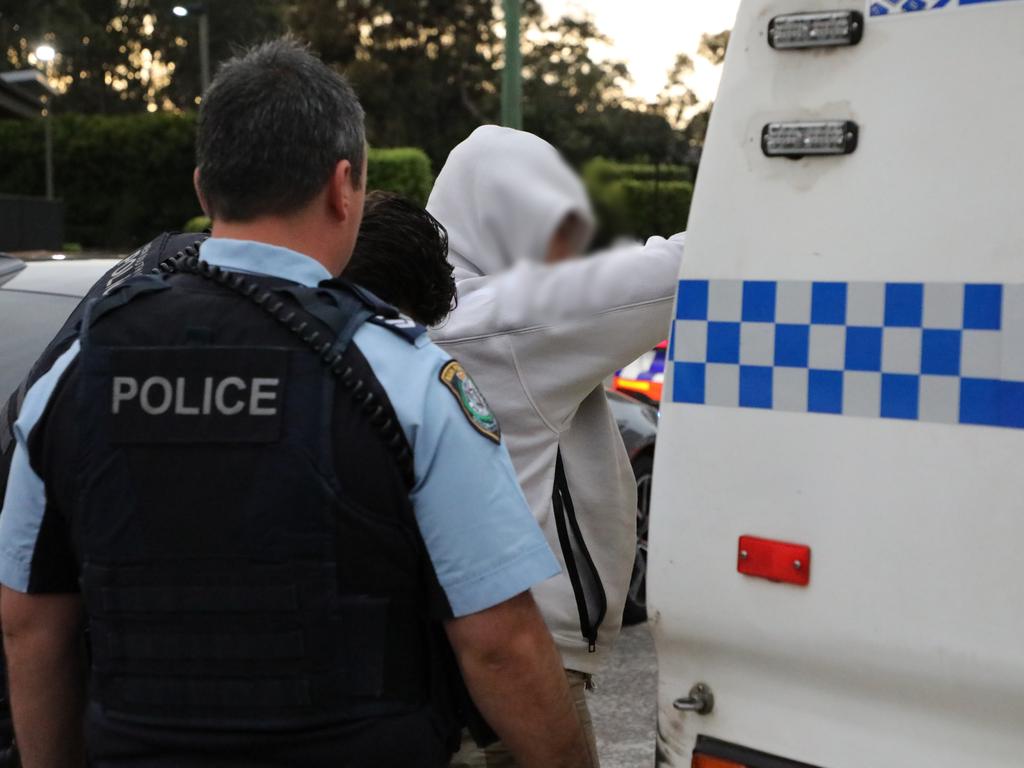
{"points": [[204, 49], [48, 133], [512, 76]]}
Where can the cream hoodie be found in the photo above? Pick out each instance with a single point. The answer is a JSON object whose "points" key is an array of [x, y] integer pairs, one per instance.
{"points": [[540, 340]]}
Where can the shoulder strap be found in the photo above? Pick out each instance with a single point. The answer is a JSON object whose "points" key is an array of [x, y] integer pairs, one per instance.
{"points": [[591, 601], [383, 314], [120, 295], [369, 298], [341, 311]]}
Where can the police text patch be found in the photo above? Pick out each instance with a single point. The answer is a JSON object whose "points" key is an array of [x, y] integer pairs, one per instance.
{"points": [[196, 394], [471, 400]]}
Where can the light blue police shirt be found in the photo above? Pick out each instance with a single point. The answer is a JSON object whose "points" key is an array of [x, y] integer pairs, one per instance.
{"points": [[483, 542]]}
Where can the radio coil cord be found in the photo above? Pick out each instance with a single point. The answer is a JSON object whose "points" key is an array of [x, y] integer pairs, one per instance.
{"points": [[301, 325]]}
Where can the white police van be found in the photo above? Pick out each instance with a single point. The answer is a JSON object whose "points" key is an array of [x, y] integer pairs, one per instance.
{"points": [[836, 573]]}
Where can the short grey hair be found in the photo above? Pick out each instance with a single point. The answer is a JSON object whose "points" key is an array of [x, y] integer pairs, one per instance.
{"points": [[272, 127]]}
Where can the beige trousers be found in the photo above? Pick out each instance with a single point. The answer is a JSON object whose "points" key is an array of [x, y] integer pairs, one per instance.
{"points": [[497, 756]]}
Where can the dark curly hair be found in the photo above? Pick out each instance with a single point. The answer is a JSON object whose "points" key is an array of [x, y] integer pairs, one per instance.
{"points": [[402, 256]]}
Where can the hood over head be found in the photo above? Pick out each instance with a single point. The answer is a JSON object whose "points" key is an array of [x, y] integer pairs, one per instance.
{"points": [[501, 195]]}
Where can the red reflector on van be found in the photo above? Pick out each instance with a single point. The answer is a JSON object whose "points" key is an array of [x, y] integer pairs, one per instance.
{"points": [[774, 560]]}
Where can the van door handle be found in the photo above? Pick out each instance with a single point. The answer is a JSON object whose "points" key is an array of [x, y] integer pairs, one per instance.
{"points": [[701, 700]]}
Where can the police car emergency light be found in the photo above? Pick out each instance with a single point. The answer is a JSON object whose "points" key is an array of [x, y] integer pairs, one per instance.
{"points": [[815, 30], [817, 137]]}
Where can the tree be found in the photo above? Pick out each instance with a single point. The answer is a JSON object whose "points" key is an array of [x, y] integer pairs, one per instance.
{"points": [[424, 70], [579, 103], [125, 55], [677, 97], [712, 47], [427, 71], [694, 134]]}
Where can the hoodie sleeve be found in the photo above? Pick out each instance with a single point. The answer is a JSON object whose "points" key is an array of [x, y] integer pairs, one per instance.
{"points": [[574, 324]]}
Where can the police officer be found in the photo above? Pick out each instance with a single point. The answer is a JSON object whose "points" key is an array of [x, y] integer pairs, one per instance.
{"points": [[280, 510]]}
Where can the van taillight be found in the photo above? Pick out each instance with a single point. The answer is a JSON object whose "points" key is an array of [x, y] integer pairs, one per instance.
{"points": [[715, 753], [706, 761]]}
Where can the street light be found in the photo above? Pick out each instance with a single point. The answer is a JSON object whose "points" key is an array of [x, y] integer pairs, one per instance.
{"points": [[199, 9], [46, 54]]}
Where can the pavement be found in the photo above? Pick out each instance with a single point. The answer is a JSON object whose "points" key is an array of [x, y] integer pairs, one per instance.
{"points": [[624, 703]]}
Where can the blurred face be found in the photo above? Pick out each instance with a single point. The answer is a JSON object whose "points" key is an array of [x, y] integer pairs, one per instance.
{"points": [[568, 241]]}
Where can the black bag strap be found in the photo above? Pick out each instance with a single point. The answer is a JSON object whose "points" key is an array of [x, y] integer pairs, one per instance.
{"points": [[591, 600]]}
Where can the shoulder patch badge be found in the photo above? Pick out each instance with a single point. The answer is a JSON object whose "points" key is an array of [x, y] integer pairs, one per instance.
{"points": [[479, 414]]}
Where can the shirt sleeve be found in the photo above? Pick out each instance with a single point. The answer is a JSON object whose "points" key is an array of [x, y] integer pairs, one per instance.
{"points": [[483, 542], [617, 306], [27, 515]]}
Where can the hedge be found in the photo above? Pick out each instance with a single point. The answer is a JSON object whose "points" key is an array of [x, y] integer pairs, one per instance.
{"points": [[655, 209], [601, 171], [637, 200], [403, 170], [125, 178]]}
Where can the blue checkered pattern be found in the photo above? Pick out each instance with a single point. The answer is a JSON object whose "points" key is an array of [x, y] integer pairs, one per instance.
{"points": [[897, 7], [940, 352]]}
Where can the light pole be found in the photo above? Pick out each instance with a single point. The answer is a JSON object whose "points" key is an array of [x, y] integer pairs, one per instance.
{"points": [[512, 75], [46, 54], [200, 11]]}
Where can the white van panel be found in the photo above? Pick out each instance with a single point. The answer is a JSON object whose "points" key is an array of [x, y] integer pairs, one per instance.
{"points": [[907, 647]]}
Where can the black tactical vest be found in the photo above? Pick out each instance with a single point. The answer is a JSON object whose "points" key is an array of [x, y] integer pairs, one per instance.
{"points": [[140, 262], [229, 582]]}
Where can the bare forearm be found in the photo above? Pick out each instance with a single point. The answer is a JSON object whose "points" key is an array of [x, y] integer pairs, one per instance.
{"points": [[45, 673], [520, 688], [516, 697]]}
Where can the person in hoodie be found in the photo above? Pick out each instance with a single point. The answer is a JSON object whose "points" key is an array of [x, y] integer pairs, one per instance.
{"points": [[541, 330]]}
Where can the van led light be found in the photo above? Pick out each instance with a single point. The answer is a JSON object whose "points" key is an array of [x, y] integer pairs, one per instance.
{"points": [[814, 137], [815, 30]]}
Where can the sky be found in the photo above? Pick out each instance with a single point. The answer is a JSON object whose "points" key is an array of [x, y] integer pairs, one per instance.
{"points": [[647, 35]]}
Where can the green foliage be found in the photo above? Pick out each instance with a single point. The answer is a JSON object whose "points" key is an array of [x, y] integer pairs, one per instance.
{"points": [[424, 69], [600, 171], [638, 200], [104, 47], [125, 178], [577, 100], [676, 96], [404, 170], [650, 208], [713, 47], [197, 224]]}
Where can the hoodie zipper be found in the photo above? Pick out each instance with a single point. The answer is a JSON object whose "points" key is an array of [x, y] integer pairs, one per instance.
{"points": [[591, 600]]}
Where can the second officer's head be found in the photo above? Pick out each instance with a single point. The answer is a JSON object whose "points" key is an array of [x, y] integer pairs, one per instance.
{"points": [[402, 256], [281, 153]]}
